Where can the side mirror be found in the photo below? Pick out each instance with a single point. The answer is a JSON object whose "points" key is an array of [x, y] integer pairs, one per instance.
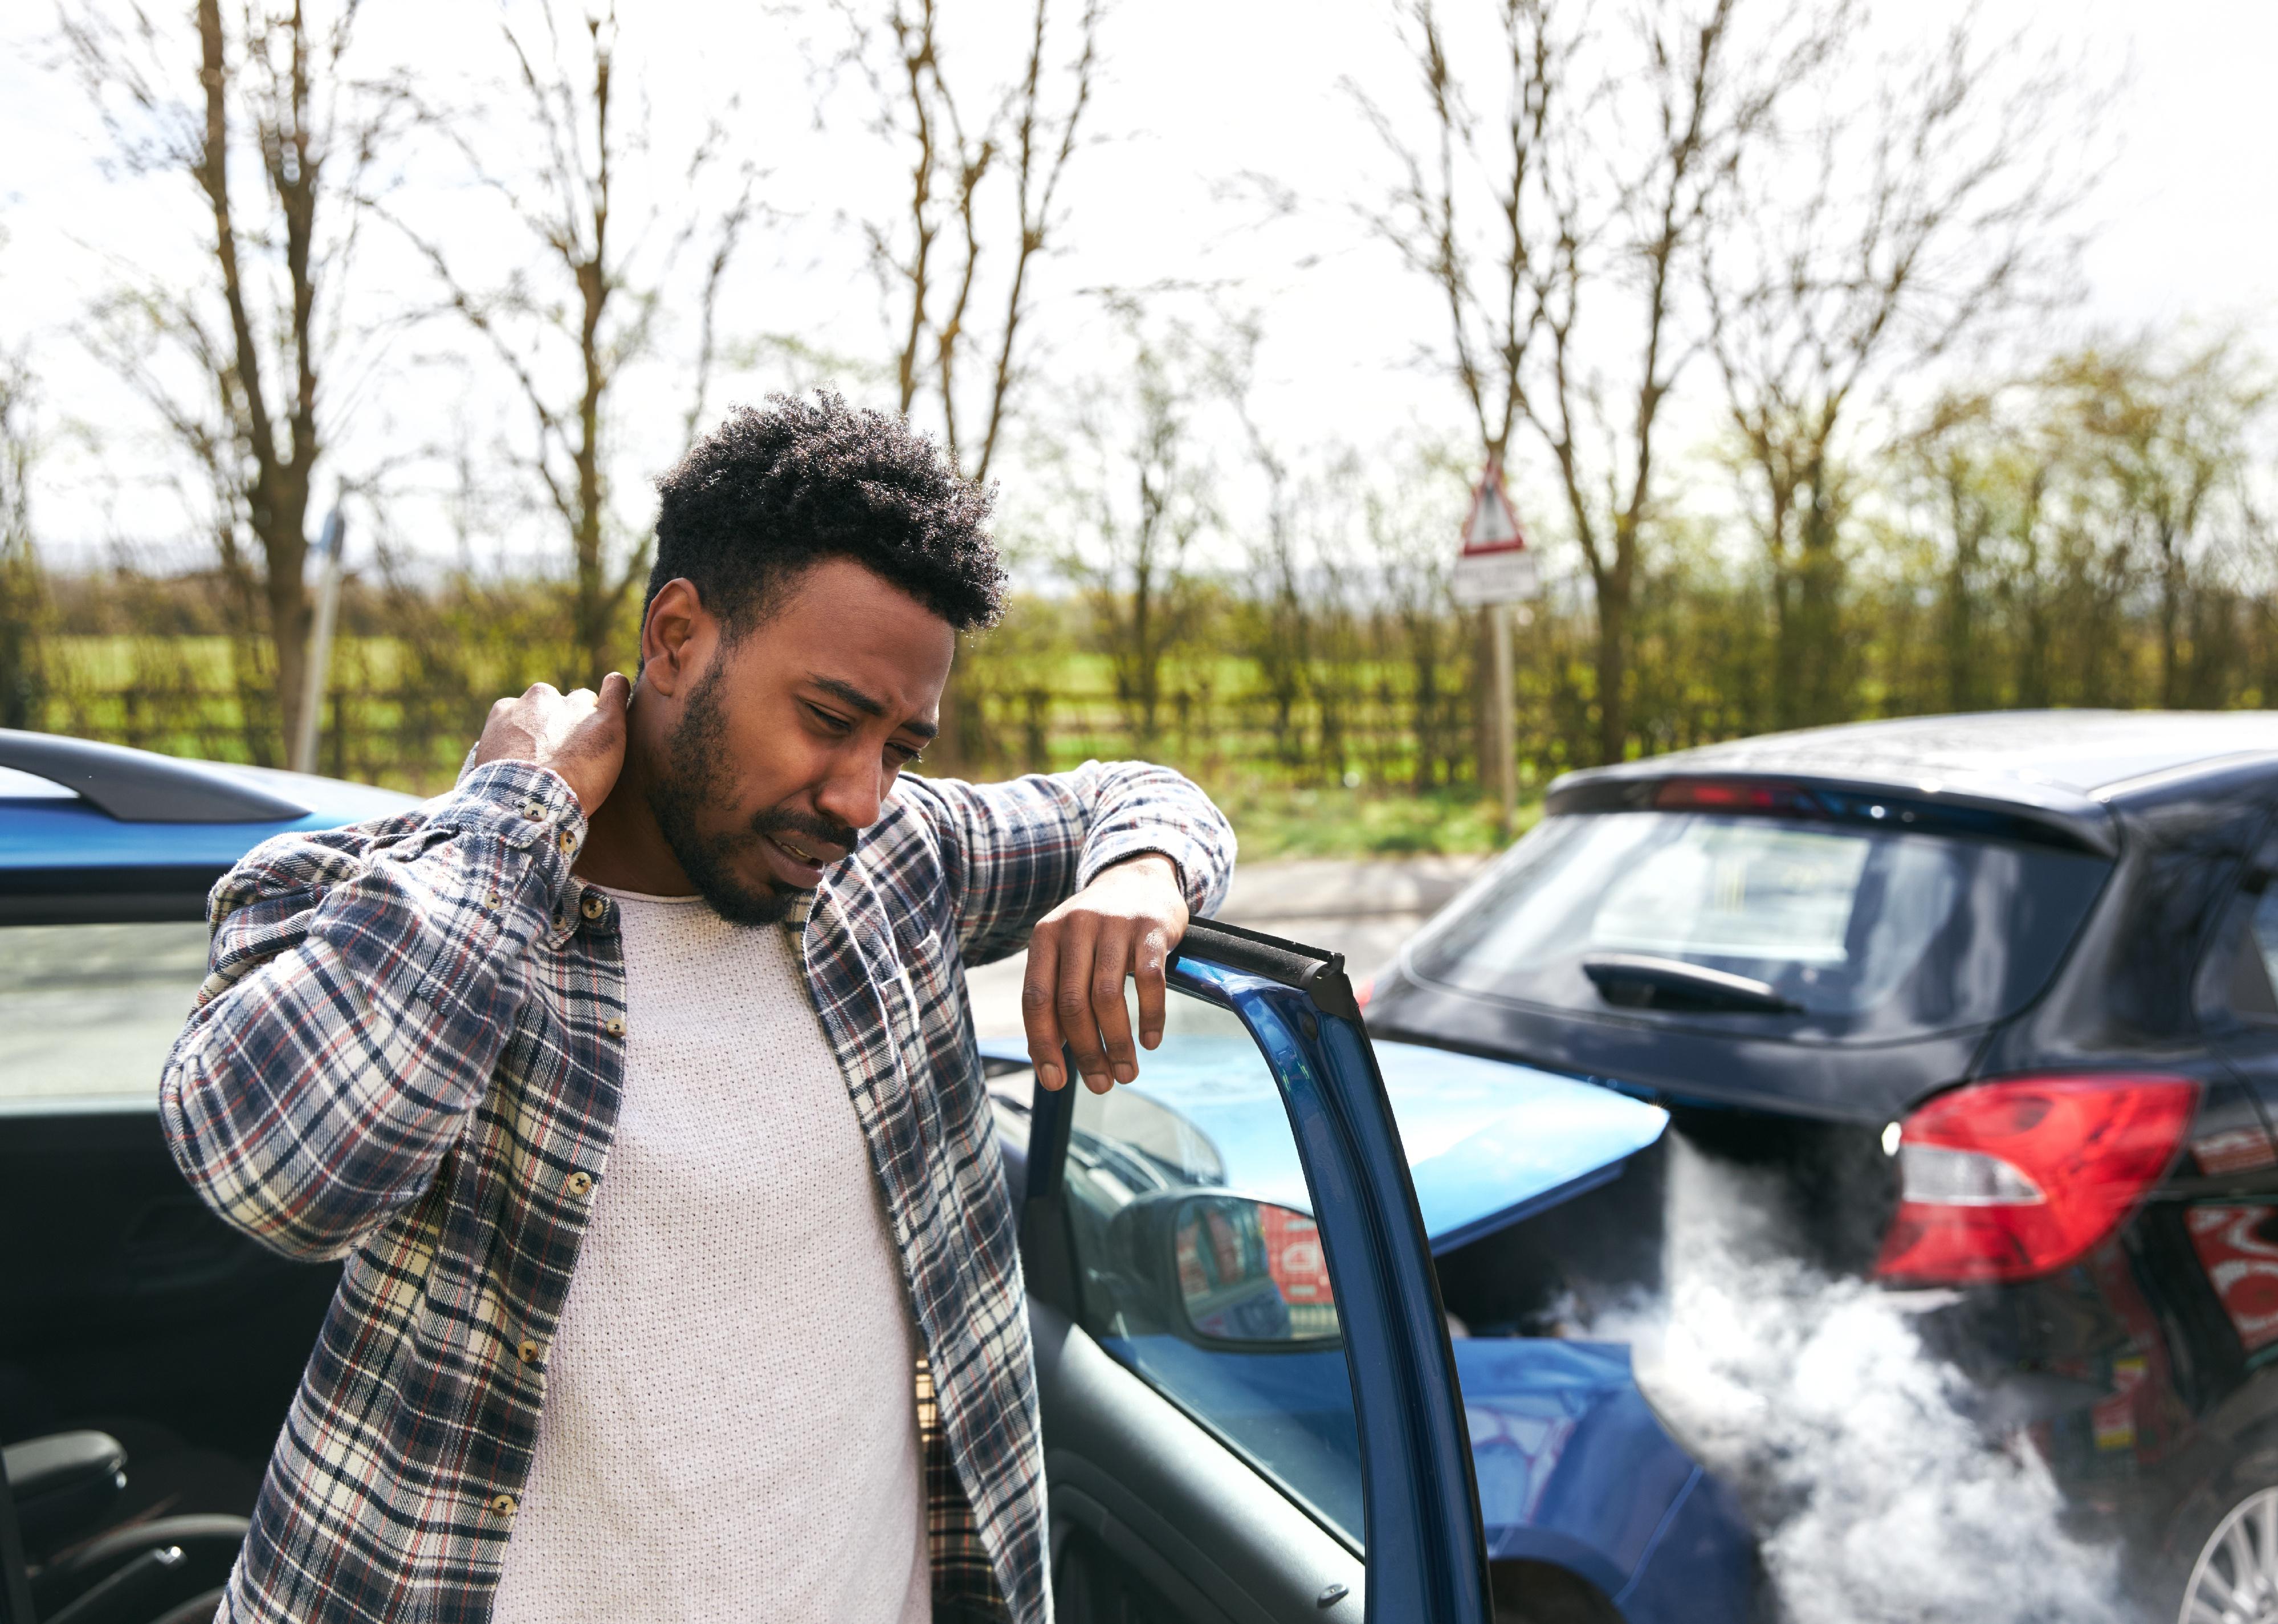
{"points": [[1251, 1276]]}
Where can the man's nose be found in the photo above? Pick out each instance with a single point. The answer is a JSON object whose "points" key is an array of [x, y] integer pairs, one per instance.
{"points": [[852, 794]]}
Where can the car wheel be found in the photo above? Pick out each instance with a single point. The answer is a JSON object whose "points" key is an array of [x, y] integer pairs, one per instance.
{"points": [[2233, 1577]]}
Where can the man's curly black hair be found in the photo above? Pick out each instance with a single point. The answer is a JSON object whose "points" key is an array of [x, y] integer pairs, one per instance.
{"points": [[774, 489]]}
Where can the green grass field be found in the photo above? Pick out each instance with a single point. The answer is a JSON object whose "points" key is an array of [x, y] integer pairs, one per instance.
{"points": [[392, 719]]}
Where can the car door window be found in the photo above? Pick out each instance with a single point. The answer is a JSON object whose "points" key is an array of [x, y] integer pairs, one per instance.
{"points": [[1243, 1366], [1200, 1266], [89, 1012]]}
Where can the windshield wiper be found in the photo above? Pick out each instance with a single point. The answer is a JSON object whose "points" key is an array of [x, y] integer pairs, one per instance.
{"points": [[1640, 979]]}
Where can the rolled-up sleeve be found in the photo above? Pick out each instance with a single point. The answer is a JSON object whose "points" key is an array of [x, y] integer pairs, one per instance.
{"points": [[359, 995], [1013, 851]]}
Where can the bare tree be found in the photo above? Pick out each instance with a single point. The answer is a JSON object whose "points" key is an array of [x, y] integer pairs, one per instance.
{"points": [[21, 597], [986, 166], [261, 328], [1137, 489], [1925, 202], [568, 332], [1557, 211], [2166, 445], [1277, 608], [1411, 564], [2090, 530]]}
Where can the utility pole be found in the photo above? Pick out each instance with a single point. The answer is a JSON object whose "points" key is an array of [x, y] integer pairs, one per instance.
{"points": [[320, 641], [1495, 570]]}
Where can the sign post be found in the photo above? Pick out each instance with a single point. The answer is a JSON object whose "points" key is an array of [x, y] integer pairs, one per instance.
{"points": [[320, 643], [1494, 571]]}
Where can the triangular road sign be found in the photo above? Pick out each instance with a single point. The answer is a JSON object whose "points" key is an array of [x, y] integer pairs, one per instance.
{"points": [[1492, 526], [1494, 565]]}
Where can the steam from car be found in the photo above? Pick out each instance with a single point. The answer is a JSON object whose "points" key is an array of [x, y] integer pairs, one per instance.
{"points": [[1880, 1499]]}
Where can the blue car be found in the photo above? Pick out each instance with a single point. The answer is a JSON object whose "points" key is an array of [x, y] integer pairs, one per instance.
{"points": [[1255, 1403], [1589, 1511]]}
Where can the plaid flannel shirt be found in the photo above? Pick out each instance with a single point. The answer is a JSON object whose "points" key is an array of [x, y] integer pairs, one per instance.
{"points": [[408, 1056]]}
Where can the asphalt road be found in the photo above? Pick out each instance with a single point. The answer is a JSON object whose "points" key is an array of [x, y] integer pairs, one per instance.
{"points": [[1364, 908]]}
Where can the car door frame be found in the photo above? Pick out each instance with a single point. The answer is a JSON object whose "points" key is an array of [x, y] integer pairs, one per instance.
{"points": [[1425, 1553]]}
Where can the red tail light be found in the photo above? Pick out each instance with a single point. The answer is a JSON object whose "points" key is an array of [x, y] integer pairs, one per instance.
{"points": [[2010, 1179], [1730, 794]]}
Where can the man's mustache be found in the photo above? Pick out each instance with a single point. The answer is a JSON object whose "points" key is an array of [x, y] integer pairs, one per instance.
{"points": [[812, 831]]}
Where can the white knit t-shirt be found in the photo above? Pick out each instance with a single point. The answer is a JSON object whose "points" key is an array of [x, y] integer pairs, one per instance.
{"points": [[729, 1426]]}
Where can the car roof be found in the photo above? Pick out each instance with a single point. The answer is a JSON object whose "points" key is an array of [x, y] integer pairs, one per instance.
{"points": [[2089, 753], [77, 816], [2065, 769]]}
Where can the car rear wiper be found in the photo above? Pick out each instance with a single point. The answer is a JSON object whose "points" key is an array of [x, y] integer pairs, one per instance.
{"points": [[1640, 979]]}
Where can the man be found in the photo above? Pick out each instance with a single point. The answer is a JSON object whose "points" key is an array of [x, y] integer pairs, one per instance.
{"points": [[635, 1084]]}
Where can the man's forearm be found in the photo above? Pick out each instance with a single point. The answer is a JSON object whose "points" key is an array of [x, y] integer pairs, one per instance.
{"points": [[1140, 808], [1012, 852]]}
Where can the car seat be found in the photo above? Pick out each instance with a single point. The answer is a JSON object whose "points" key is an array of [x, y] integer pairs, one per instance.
{"points": [[61, 1564]]}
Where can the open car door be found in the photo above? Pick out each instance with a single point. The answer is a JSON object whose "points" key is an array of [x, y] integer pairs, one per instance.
{"points": [[1250, 1414]]}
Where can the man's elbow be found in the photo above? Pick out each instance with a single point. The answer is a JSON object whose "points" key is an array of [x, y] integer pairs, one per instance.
{"points": [[235, 1169]]}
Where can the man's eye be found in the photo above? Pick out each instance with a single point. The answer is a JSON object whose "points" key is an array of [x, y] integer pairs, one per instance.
{"points": [[836, 724], [901, 755]]}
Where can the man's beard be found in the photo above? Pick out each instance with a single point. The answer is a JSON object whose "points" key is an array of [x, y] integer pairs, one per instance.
{"points": [[696, 779]]}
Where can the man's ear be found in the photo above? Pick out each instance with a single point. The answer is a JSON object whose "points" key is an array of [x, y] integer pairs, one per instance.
{"points": [[671, 636]]}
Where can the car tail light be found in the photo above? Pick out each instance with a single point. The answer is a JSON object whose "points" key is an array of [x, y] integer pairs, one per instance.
{"points": [[2010, 1179], [1742, 795], [1364, 990]]}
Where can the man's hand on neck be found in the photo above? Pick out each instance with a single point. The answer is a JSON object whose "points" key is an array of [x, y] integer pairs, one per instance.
{"points": [[625, 849], [593, 740], [579, 735]]}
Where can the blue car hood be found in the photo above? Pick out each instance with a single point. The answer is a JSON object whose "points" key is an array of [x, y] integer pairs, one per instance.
{"points": [[1488, 1142]]}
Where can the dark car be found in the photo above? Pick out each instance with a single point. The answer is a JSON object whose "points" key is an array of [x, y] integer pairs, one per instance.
{"points": [[1992, 998], [1250, 1405]]}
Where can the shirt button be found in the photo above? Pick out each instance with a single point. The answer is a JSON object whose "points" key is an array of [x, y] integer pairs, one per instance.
{"points": [[528, 1351], [492, 900], [533, 811], [502, 1504], [566, 841], [592, 907], [578, 1183], [614, 1025]]}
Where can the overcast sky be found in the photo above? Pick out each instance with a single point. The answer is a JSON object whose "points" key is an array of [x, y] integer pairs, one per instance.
{"points": [[1198, 94]]}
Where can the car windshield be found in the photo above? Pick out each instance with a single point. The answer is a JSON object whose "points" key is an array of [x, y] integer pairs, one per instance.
{"points": [[91, 1010], [1860, 933]]}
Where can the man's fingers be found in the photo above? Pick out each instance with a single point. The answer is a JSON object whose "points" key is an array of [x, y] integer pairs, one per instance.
{"points": [[1110, 956], [1148, 969], [1079, 1025], [616, 691], [1039, 997]]}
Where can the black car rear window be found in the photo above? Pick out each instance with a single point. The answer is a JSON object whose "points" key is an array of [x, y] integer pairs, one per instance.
{"points": [[1867, 935]]}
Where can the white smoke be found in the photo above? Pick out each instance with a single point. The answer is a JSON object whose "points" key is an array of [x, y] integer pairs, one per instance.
{"points": [[1880, 1500]]}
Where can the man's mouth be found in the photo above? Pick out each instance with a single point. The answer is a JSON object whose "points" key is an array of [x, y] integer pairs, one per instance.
{"points": [[801, 857]]}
